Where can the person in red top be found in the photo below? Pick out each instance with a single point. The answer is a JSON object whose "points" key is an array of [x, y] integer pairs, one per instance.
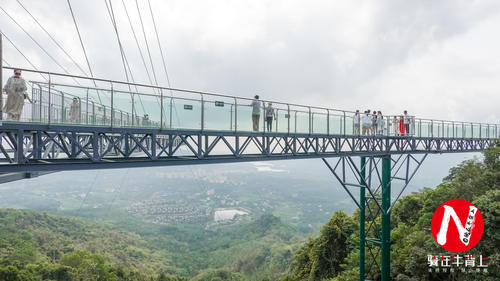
{"points": [[401, 125]]}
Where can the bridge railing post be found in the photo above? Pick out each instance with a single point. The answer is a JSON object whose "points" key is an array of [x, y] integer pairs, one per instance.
{"points": [[171, 109], [289, 116], [87, 107], [295, 122], [50, 99], [235, 115], [63, 109], [310, 120], [202, 112], [344, 123], [263, 117], [112, 106], [40, 100], [420, 128], [161, 109], [327, 121]]}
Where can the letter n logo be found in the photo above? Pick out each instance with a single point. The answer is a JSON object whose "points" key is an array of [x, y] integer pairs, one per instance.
{"points": [[457, 225]]}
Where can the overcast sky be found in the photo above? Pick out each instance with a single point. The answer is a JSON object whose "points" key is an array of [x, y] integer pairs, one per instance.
{"points": [[437, 59]]}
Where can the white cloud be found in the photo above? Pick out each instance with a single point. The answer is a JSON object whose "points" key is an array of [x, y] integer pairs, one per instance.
{"points": [[435, 58]]}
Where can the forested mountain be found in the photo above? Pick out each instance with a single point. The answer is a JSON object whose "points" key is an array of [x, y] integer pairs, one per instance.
{"points": [[334, 254], [39, 246]]}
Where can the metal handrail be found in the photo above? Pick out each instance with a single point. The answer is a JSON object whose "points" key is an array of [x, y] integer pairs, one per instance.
{"points": [[307, 109]]}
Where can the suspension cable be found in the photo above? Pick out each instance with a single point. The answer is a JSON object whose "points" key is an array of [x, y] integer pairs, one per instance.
{"points": [[83, 48], [159, 44], [137, 43], [22, 54], [8, 64], [163, 59], [53, 39], [36, 42], [122, 51], [146, 40]]}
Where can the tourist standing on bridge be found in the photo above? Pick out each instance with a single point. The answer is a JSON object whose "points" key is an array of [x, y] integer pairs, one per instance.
{"points": [[406, 121], [269, 116], [402, 126], [256, 105], [74, 111], [366, 123], [16, 94], [395, 125], [145, 120], [355, 122], [374, 122], [380, 123]]}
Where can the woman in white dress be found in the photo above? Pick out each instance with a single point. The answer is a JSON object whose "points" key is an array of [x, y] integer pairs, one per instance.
{"points": [[380, 123], [16, 94]]}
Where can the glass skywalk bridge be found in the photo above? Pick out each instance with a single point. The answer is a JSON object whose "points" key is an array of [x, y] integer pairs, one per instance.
{"points": [[81, 123]]}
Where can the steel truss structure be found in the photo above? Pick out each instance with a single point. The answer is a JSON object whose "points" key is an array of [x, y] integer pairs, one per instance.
{"points": [[374, 177], [35, 147]]}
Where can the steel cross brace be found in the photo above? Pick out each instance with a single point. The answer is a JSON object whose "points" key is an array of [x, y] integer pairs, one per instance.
{"points": [[373, 177]]}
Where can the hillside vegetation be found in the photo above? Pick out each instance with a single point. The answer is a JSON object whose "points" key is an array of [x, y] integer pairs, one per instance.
{"points": [[38, 246], [334, 254]]}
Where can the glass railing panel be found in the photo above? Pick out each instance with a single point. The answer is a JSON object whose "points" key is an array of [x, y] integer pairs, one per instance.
{"points": [[66, 103], [319, 122], [124, 104], [301, 119], [476, 131], [459, 130], [36, 106], [219, 113], [467, 130], [147, 110], [426, 129], [349, 125], [283, 120], [436, 129], [292, 117], [336, 123], [484, 131], [447, 130], [186, 113], [58, 107], [491, 132], [101, 109]]}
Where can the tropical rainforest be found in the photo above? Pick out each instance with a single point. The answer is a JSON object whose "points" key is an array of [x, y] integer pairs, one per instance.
{"points": [[40, 246]]}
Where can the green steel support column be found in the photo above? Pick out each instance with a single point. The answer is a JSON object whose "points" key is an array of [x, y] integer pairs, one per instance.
{"points": [[362, 221], [386, 218]]}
